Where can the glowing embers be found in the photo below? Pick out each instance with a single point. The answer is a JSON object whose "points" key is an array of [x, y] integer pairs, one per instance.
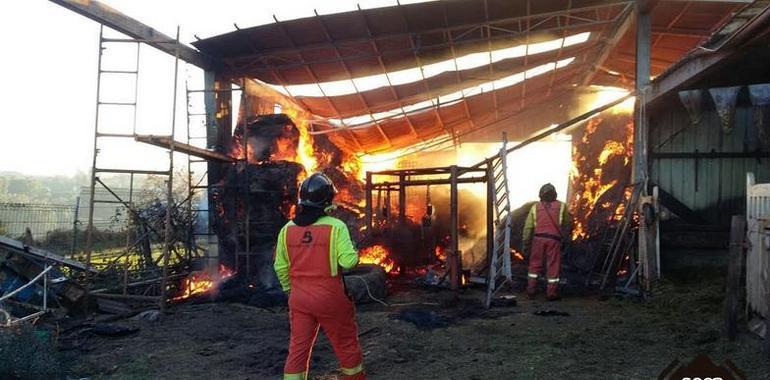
{"points": [[448, 99], [414, 74], [378, 255], [203, 282]]}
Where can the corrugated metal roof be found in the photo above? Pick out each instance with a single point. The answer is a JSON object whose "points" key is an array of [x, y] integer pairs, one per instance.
{"points": [[382, 73]]}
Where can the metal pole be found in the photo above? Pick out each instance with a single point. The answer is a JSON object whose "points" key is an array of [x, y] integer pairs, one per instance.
{"points": [[454, 270], [490, 211], [246, 197], [643, 36], [190, 238], [90, 228], [128, 233], [401, 199], [45, 291], [368, 209], [646, 243], [170, 184], [136, 85], [75, 227], [386, 207]]}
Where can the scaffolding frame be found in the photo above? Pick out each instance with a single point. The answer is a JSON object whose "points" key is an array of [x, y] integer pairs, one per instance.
{"points": [[169, 244], [195, 185], [450, 175]]}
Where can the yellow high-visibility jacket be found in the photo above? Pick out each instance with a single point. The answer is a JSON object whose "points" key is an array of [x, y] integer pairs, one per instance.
{"points": [[342, 252], [529, 225]]}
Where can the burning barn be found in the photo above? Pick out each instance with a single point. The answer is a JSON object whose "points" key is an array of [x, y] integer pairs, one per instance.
{"points": [[393, 127], [439, 121]]}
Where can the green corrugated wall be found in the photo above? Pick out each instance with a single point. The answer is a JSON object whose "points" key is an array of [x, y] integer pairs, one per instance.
{"points": [[721, 182]]}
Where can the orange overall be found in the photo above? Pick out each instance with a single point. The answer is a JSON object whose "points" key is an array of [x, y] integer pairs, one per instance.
{"points": [[307, 263], [547, 221]]}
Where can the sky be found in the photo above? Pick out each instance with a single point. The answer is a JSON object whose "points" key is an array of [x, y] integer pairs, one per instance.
{"points": [[49, 102]]}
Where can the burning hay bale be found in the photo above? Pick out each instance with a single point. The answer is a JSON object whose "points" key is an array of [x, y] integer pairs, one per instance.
{"points": [[258, 195], [255, 201], [601, 159], [599, 189], [265, 138]]}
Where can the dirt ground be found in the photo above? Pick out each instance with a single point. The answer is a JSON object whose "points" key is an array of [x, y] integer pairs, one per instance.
{"points": [[599, 339]]}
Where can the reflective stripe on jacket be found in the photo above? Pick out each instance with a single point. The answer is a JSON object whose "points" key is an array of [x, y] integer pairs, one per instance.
{"points": [[314, 251]]}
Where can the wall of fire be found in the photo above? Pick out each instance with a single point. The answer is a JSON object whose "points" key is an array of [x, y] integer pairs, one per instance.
{"points": [[700, 156]]}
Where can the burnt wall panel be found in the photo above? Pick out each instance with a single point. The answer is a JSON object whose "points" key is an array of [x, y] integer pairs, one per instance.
{"points": [[721, 182]]}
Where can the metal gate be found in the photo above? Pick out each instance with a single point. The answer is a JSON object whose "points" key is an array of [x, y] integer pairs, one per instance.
{"points": [[758, 236]]}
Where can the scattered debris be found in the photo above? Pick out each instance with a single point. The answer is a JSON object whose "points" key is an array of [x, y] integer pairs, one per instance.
{"points": [[366, 283], [113, 330], [758, 326], [504, 301], [147, 315], [369, 331], [112, 306], [423, 319], [551, 313]]}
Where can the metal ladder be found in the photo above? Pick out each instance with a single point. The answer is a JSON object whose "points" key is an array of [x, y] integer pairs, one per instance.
{"points": [[499, 272], [203, 244], [196, 136], [121, 103]]}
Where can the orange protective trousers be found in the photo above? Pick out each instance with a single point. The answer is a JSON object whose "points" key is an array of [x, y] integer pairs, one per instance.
{"points": [[320, 303], [548, 250]]}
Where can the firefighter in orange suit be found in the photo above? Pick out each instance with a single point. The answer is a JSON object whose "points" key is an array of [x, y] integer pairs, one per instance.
{"points": [[546, 228], [310, 253]]}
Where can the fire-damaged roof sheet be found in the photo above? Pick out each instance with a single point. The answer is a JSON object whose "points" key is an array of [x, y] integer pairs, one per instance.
{"points": [[395, 76]]}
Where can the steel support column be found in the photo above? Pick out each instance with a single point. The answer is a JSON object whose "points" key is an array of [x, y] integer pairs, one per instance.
{"points": [[454, 251], [648, 254], [368, 209], [401, 199], [643, 44]]}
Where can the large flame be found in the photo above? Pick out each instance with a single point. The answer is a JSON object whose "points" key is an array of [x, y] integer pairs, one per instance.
{"points": [[589, 180], [379, 255], [440, 253]]}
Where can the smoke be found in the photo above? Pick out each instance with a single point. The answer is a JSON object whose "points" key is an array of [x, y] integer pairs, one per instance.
{"points": [[471, 210]]}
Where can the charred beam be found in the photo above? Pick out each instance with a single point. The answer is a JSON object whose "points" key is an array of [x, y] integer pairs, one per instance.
{"points": [[425, 182], [454, 249], [610, 43], [425, 171], [679, 208]]}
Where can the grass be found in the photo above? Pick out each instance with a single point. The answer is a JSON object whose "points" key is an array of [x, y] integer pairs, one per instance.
{"points": [[26, 353], [105, 257]]}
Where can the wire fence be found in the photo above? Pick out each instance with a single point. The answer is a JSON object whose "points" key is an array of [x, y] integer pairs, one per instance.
{"points": [[51, 226], [60, 228]]}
